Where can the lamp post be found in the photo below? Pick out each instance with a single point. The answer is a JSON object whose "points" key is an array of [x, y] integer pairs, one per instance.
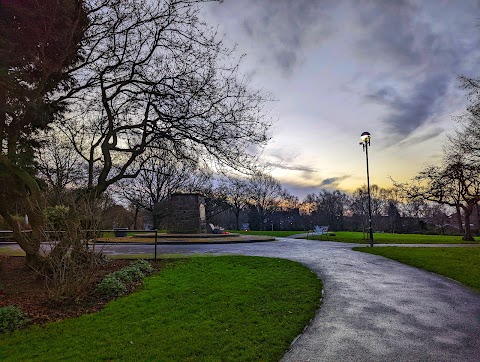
{"points": [[365, 137]]}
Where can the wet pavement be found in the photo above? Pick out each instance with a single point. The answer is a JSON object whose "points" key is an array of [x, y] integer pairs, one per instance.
{"points": [[374, 309]]}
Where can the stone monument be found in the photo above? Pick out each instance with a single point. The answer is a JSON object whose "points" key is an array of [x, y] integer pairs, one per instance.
{"points": [[187, 214]]}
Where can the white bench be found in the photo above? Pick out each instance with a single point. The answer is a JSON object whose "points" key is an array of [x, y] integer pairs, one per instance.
{"points": [[319, 230], [217, 229]]}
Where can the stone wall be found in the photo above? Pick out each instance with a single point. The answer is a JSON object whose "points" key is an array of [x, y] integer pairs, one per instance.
{"points": [[187, 214]]}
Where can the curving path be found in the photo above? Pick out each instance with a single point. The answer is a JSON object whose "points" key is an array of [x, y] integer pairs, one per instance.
{"points": [[374, 309]]}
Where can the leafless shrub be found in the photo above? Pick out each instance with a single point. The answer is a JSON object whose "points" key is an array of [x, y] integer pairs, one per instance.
{"points": [[71, 258]]}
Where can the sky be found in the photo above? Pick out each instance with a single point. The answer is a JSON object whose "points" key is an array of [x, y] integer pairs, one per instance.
{"points": [[339, 68]]}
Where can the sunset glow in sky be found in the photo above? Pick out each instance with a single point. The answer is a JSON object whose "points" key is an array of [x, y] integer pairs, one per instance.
{"points": [[338, 68]]}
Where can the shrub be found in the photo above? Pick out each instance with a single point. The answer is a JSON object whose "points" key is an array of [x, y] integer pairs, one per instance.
{"points": [[11, 318], [135, 273], [67, 276], [116, 284], [18, 219], [144, 266], [57, 216], [111, 286], [123, 275]]}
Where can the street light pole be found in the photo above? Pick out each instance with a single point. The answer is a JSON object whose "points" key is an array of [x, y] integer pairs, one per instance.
{"points": [[365, 143]]}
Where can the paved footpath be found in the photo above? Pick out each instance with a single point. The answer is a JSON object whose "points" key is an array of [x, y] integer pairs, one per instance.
{"points": [[374, 309]]}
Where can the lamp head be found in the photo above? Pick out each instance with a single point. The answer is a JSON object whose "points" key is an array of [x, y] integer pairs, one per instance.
{"points": [[365, 137]]}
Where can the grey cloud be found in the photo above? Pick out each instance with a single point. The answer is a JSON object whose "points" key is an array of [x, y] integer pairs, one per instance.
{"points": [[285, 154], [434, 132], [409, 111], [419, 45], [332, 181], [303, 168], [282, 28], [302, 190], [285, 27], [416, 109], [284, 158], [392, 30], [423, 56], [397, 32], [385, 95], [286, 59]]}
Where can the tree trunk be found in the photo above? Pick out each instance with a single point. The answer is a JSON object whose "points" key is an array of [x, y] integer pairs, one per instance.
{"points": [[30, 244], [156, 221], [478, 218], [459, 219], [237, 219], [135, 219], [468, 233], [18, 183]]}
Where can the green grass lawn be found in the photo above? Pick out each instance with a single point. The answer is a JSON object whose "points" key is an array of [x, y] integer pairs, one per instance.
{"points": [[362, 238], [461, 264], [389, 238], [229, 308], [10, 252], [111, 234], [279, 234]]}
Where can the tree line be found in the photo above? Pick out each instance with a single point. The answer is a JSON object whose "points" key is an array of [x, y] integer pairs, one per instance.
{"points": [[262, 203], [258, 200]]}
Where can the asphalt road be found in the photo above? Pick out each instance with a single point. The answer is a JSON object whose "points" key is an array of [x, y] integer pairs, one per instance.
{"points": [[374, 309]]}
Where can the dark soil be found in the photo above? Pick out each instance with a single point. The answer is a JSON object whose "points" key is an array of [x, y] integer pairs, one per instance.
{"points": [[22, 287]]}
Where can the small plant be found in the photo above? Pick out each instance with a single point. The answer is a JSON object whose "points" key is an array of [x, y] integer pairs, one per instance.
{"points": [[134, 272], [57, 216], [11, 318], [111, 286], [123, 275], [117, 283], [144, 266]]}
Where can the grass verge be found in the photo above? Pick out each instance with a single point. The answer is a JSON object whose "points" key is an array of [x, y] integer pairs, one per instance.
{"points": [[390, 238], [111, 234], [279, 234], [461, 264], [232, 308], [185, 238], [11, 252]]}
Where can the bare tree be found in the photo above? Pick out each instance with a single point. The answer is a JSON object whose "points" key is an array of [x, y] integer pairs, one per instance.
{"points": [[161, 176], [467, 137], [215, 203], [359, 204], [237, 195], [455, 183], [437, 214], [266, 196], [156, 77], [60, 167], [328, 208]]}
